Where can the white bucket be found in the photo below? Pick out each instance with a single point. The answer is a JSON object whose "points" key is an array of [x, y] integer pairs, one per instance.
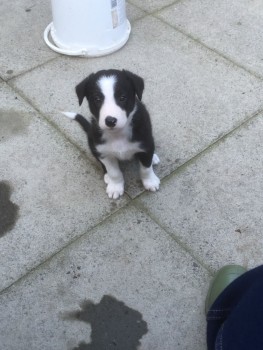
{"points": [[88, 27]]}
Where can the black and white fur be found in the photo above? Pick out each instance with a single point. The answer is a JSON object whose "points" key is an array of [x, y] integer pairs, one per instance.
{"points": [[120, 127]]}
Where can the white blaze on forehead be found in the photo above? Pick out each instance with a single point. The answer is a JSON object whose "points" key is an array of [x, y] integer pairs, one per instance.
{"points": [[109, 106], [106, 85]]}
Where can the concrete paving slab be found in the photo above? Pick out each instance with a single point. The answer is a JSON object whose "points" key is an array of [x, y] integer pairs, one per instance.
{"points": [[231, 27], [50, 193], [214, 205], [152, 5], [194, 95], [22, 45], [141, 285]]}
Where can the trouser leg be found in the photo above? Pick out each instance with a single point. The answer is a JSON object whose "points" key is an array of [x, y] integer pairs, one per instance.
{"points": [[235, 320]]}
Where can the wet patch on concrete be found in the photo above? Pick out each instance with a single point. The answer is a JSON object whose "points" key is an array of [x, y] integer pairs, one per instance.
{"points": [[113, 325], [8, 209], [12, 123]]}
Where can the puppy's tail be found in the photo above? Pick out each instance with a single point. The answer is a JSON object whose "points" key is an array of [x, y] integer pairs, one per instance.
{"points": [[80, 119]]}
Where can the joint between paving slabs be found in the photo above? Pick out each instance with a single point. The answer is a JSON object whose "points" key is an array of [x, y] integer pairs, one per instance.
{"points": [[199, 42], [154, 11], [212, 146], [53, 125], [139, 206], [31, 69], [136, 202], [66, 246]]}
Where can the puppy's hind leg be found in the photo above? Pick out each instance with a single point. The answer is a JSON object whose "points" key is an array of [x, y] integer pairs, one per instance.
{"points": [[156, 159]]}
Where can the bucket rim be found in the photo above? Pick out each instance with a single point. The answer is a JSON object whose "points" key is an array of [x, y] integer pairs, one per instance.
{"points": [[85, 51]]}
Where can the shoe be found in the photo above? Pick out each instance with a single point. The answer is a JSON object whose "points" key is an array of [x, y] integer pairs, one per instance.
{"points": [[222, 279]]}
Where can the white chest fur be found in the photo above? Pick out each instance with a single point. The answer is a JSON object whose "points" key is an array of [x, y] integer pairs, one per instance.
{"points": [[118, 145]]}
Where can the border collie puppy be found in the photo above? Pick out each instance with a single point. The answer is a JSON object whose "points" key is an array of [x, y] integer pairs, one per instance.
{"points": [[120, 127]]}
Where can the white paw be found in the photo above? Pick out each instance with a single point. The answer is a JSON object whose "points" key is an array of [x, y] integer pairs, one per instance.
{"points": [[156, 159], [114, 190], [152, 183]]}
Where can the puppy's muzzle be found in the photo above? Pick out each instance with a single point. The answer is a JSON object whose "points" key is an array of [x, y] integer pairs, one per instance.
{"points": [[110, 121]]}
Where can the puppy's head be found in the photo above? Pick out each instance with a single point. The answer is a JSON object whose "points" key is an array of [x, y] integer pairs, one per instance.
{"points": [[111, 95]]}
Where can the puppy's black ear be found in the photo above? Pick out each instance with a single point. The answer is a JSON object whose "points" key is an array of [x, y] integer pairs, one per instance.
{"points": [[82, 89], [137, 82]]}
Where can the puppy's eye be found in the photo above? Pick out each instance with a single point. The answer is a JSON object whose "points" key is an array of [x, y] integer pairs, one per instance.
{"points": [[122, 98], [97, 99]]}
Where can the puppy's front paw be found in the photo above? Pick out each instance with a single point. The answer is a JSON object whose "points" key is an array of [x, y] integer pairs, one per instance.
{"points": [[114, 190], [151, 183]]}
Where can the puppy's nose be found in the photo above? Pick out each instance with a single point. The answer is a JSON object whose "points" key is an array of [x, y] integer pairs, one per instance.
{"points": [[110, 121]]}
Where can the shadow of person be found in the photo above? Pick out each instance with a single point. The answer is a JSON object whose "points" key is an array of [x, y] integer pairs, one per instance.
{"points": [[113, 325]]}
